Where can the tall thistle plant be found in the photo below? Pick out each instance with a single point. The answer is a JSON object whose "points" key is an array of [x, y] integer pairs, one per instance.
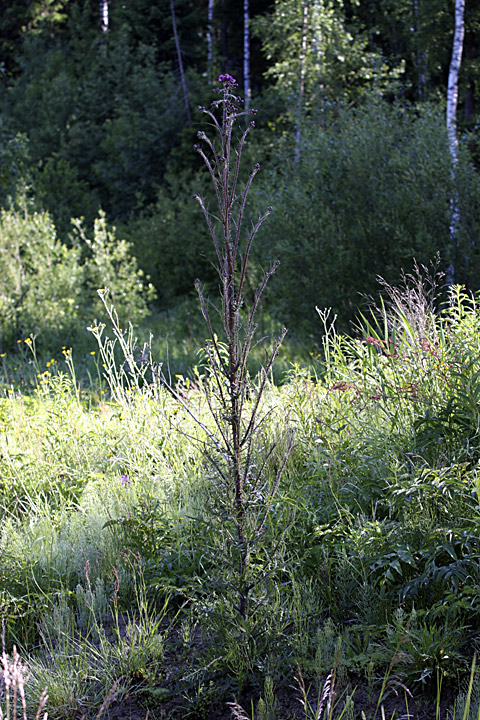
{"points": [[244, 463], [246, 473]]}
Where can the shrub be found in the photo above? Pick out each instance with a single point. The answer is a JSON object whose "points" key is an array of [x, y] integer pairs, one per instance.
{"points": [[40, 279], [50, 290], [111, 265]]}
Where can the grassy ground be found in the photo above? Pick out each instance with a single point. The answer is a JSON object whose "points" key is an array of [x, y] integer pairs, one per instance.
{"points": [[118, 575]]}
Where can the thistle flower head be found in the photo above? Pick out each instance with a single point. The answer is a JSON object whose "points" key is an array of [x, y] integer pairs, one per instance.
{"points": [[227, 80]]}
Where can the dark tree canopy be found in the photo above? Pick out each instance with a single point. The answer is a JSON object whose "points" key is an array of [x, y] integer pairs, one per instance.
{"points": [[103, 117]]}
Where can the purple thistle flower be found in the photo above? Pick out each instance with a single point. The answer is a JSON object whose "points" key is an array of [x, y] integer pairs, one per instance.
{"points": [[228, 80]]}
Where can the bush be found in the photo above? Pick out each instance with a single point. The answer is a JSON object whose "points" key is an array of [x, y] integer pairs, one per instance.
{"points": [[41, 280], [49, 289], [111, 265], [170, 240]]}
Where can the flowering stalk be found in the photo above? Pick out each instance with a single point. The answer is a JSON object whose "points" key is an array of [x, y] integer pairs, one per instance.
{"points": [[244, 478]]}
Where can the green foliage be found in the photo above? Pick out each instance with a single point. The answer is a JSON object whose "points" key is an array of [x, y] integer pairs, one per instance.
{"points": [[409, 32], [315, 59], [111, 266], [48, 289], [169, 241], [13, 163], [345, 210], [377, 577], [102, 116], [40, 279], [59, 189], [424, 649]]}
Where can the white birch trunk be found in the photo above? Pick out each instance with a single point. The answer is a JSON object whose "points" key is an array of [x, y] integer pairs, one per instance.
{"points": [[246, 54], [452, 90], [183, 80], [210, 42], [452, 101], [104, 20]]}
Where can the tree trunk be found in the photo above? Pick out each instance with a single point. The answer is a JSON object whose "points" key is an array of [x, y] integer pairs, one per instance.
{"points": [[210, 42], [104, 21], [246, 54], [452, 91], [180, 65], [452, 101]]}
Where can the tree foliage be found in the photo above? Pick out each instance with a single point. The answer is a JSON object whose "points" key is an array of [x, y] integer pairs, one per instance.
{"points": [[96, 120], [370, 194]]}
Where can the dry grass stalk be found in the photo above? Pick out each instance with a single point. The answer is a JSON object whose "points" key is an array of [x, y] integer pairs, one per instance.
{"points": [[13, 678]]}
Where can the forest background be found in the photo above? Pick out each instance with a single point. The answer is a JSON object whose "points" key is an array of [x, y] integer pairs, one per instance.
{"points": [[99, 115]]}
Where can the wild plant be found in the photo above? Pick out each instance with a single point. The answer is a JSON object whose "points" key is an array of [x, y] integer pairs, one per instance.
{"points": [[13, 678], [397, 364], [244, 467]]}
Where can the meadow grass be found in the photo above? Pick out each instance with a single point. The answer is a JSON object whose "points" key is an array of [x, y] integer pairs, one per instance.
{"points": [[371, 564]]}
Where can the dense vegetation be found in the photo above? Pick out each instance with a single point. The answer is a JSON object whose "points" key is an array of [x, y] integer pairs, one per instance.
{"points": [[195, 527], [101, 118], [117, 558]]}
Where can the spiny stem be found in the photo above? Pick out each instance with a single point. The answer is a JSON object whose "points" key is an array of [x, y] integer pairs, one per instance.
{"points": [[227, 389]]}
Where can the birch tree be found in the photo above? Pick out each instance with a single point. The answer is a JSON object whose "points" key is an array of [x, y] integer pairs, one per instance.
{"points": [[104, 20], [452, 102], [314, 58], [210, 42], [452, 90], [246, 54], [301, 90]]}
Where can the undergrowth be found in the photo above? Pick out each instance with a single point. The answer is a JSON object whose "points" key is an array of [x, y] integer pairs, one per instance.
{"points": [[162, 535]]}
